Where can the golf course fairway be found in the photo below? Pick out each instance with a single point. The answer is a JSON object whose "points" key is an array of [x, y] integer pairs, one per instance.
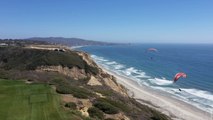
{"points": [[22, 101]]}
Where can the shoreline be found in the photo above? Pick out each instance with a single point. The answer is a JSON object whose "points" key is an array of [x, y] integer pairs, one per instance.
{"points": [[159, 100]]}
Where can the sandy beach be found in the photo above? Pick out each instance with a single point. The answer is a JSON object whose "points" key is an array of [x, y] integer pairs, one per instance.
{"points": [[164, 102]]}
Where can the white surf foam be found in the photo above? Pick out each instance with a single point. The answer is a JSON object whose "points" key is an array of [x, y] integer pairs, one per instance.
{"points": [[198, 98], [158, 81], [200, 93], [119, 66], [75, 47], [111, 63], [100, 59]]}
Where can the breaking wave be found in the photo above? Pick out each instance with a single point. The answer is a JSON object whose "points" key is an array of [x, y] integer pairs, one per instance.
{"points": [[199, 98]]}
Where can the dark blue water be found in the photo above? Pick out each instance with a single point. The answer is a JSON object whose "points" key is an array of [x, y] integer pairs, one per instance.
{"points": [[157, 69]]}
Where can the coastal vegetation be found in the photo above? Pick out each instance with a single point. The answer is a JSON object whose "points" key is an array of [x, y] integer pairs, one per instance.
{"points": [[95, 113], [48, 84], [29, 59], [71, 105]]}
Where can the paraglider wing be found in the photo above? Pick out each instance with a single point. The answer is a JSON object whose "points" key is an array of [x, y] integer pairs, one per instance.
{"points": [[153, 50], [179, 75]]}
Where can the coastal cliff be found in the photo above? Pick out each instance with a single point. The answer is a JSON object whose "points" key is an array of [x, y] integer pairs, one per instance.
{"points": [[83, 86]]}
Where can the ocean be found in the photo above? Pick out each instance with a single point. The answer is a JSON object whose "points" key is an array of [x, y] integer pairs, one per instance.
{"points": [[157, 69]]}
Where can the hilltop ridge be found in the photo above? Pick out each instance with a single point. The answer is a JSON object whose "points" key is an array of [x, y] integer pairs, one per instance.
{"points": [[70, 41]]}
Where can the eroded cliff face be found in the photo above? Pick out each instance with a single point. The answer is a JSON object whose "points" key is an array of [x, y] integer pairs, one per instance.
{"points": [[74, 72], [102, 78], [87, 58], [110, 81]]}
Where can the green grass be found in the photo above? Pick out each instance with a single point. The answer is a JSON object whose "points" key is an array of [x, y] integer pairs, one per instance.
{"points": [[21, 101], [38, 98]]}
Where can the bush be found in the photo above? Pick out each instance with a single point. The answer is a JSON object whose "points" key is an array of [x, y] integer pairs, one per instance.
{"points": [[118, 104], [90, 69], [71, 105], [29, 59], [95, 113], [106, 107], [80, 95], [158, 116], [59, 80], [75, 91], [62, 89], [105, 92], [84, 80]]}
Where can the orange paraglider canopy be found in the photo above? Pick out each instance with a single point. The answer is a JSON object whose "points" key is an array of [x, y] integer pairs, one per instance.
{"points": [[179, 75]]}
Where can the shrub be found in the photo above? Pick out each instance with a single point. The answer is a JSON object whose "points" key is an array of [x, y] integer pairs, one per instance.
{"points": [[118, 104], [74, 90], [80, 95], [84, 80], [58, 80], [95, 113], [106, 107], [105, 92], [90, 69], [158, 116], [62, 90], [71, 105], [30, 59], [109, 119]]}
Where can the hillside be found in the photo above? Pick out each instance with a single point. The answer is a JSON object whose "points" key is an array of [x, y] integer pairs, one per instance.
{"points": [[69, 41], [65, 84]]}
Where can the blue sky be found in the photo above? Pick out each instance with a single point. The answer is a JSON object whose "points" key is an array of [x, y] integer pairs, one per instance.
{"points": [[161, 21]]}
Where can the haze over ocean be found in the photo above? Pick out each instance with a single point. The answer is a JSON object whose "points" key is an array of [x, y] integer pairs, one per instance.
{"points": [[135, 62]]}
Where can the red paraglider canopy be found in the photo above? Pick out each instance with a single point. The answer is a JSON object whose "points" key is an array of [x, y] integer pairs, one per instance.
{"points": [[178, 75], [153, 49]]}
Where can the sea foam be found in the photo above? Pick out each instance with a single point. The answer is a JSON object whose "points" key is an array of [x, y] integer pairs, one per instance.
{"points": [[198, 98]]}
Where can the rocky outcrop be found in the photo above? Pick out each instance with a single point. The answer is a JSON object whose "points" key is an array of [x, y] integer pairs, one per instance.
{"points": [[119, 116], [74, 72], [111, 82], [82, 104], [93, 81], [87, 58], [102, 77]]}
